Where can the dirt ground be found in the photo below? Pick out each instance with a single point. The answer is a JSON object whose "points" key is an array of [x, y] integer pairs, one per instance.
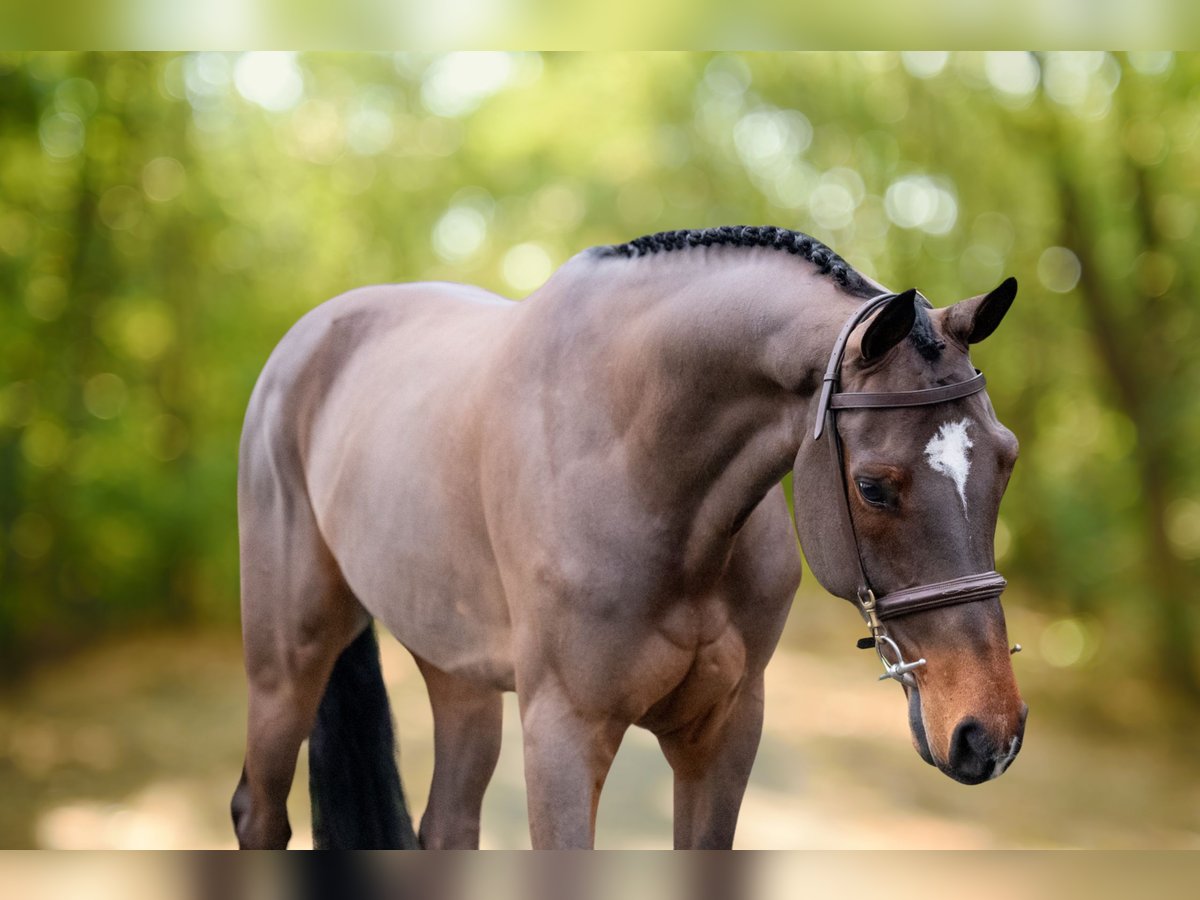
{"points": [[138, 744]]}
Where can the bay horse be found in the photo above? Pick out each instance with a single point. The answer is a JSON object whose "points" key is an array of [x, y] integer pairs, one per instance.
{"points": [[578, 497]]}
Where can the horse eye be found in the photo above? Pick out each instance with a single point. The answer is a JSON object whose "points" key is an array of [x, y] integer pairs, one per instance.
{"points": [[871, 492]]}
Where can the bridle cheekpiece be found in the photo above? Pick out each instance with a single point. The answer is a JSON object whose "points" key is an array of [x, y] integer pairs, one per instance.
{"points": [[876, 610]]}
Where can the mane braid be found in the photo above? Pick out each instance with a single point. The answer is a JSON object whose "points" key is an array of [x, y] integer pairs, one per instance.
{"points": [[797, 243]]}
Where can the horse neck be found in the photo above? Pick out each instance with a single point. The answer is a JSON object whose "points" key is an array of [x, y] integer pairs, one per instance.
{"points": [[708, 362]]}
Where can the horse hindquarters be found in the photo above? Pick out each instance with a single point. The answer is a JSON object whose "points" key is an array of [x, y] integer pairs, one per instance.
{"points": [[298, 616]]}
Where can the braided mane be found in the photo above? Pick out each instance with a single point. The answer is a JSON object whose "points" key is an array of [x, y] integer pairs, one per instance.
{"points": [[827, 262]]}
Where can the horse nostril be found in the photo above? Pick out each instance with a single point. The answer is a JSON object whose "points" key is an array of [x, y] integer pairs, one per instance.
{"points": [[972, 753]]}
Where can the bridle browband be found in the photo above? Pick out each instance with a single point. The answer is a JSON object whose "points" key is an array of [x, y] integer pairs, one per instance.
{"points": [[876, 610]]}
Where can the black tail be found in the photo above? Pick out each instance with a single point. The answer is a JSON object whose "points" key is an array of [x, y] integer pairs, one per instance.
{"points": [[357, 800]]}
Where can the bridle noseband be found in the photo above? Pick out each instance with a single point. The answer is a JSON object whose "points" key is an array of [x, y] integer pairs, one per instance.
{"points": [[876, 610]]}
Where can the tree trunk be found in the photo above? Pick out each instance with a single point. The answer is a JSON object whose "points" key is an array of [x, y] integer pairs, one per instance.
{"points": [[1126, 363]]}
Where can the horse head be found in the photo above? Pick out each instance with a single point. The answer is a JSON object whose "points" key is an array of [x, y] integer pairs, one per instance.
{"points": [[917, 480]]}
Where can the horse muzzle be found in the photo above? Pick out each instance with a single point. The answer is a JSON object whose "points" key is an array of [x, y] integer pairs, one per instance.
{"points": [[976, 754]]}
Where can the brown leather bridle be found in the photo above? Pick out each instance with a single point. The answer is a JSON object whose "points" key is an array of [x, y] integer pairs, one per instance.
{"points": [[876, 610]]}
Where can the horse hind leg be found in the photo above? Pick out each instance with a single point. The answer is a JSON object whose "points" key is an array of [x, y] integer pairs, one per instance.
{"points": [[467, 723], [298, 615]]}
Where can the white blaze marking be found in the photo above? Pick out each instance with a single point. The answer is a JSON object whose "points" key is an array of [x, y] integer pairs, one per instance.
{"points": [[946, 453]]}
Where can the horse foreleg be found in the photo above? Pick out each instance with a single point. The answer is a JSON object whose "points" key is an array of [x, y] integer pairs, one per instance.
{"points": [[467, 721], [567, 756], [711, 760]]}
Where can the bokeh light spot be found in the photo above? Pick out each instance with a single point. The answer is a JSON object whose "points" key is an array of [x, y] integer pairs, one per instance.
{"points": [[105, 395], [767, 137], [459, 233], [1082, 81], [44, 443], [1058, 269], [369, 127], [78, 97], [559, 206], [1151, 62], [272, 79], [61, 134], [163, 179], [527, 266], [1013, 74], [120, 207], [924, 63], [206, 78], [1146, 141], [146, 332], [727, 75], [1063, 642], [318, 132], [1155, 272], [918, 201], [459, 82], [794, 186], [832, 205], [981, 267]]}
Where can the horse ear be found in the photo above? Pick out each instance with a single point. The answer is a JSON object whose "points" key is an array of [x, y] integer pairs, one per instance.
{"points": [[972, 320], [890, 326]]}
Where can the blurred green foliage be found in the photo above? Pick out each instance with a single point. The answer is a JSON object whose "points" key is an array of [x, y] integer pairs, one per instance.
{"points": [[165, 218], [616, 24]]}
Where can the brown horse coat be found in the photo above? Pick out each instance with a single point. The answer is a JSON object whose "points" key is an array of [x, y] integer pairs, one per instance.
{"points": [[577, 497]]}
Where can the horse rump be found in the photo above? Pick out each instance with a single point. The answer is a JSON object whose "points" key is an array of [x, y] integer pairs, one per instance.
{"points": [[357, 800]]}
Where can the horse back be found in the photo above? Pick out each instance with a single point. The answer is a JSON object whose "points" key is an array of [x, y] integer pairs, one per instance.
{"points": [[368, 411]]}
